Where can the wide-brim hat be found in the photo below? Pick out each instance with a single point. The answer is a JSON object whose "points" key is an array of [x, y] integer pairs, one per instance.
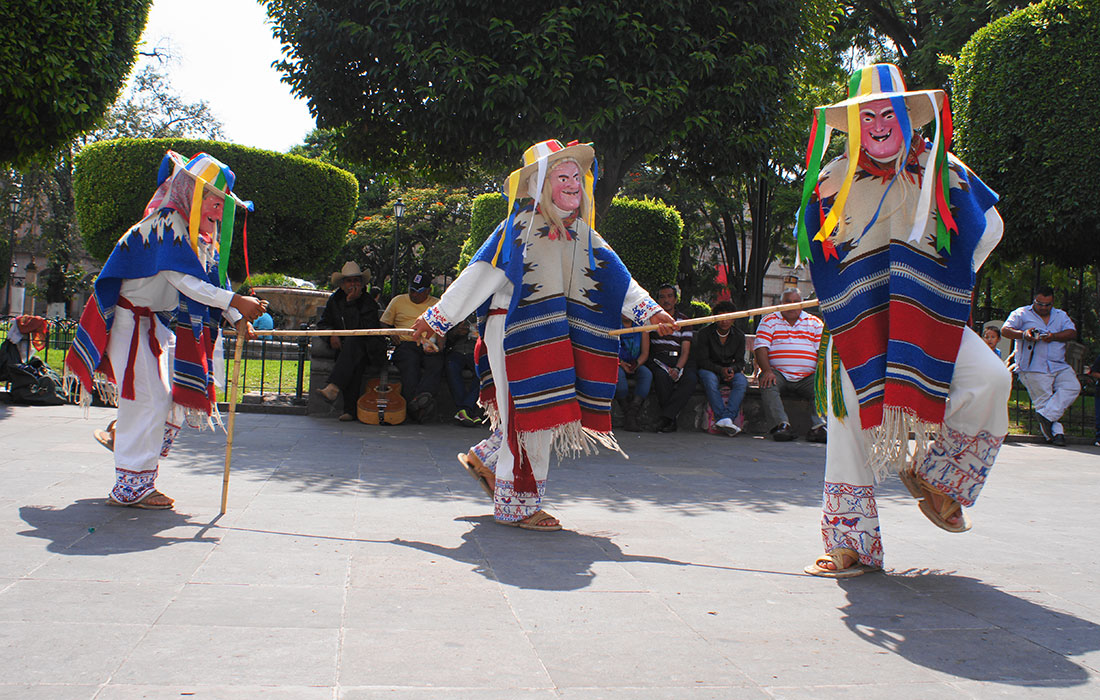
{"points": [[546, 154], [883, 81], [350, 269]]}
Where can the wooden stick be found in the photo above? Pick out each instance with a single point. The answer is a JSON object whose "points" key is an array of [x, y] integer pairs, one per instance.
{"points": [[232, 418], [724, 317], [327, 332]]}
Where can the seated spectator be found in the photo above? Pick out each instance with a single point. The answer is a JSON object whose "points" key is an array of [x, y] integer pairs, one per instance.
{"points": [[421, 372], [670, 362], [347, 309], [633, 353], [1041, 333], [992, 335], [786, 352], [720, 358], [459, 357]]}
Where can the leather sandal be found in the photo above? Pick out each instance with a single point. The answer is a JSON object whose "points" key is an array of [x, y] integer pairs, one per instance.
{"points": [[836, 558]]}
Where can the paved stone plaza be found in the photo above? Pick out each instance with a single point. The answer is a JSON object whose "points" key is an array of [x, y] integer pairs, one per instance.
{"points": [[361, 562]]}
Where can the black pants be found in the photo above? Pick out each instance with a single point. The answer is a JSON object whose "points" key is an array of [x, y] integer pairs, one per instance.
{"points": [[420, 371], [356, 353], [672, 396]]}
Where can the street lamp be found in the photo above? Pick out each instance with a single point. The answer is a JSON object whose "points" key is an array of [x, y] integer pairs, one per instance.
{"points": [[14, 203], [398, 212]]}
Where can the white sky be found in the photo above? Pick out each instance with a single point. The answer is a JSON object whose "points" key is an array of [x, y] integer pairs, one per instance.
{"points": [[223, 50]]}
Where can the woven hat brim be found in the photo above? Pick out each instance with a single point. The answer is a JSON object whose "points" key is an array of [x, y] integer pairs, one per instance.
{"points": [[207, 187], [920, 108], [583, 153]]}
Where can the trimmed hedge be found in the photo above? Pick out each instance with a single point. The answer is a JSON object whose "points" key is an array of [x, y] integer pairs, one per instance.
{"points": [[303, 207], [1026, 94], [486, 212], [645, 233], [62, 64]]}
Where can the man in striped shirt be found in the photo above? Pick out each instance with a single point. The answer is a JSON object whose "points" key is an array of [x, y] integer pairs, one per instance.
{"points": [[786, 352]]}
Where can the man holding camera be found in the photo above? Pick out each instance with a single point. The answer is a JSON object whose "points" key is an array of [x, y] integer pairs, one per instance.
{"points": [[1041, 333]]}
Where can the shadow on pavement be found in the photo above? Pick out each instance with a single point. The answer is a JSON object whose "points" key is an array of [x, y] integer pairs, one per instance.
{"points": [[561, 561], [90, 528], [1019, 642]]}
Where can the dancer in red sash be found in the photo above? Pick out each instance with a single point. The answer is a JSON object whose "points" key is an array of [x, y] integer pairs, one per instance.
{"points": [[163, 273]]}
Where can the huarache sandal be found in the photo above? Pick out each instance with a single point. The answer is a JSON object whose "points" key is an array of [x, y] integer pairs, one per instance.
{"points": [[106, 437], [942, 518], [540, 520], [477, 469], [836, 558], [926, 497], [154, 500]]}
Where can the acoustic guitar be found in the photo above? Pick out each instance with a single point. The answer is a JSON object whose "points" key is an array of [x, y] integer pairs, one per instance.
{"points": [[381, 402]]}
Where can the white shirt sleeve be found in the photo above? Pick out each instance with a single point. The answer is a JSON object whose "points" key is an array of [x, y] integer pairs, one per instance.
{"points": [[474, 285], [994, 229], [637, 304]]}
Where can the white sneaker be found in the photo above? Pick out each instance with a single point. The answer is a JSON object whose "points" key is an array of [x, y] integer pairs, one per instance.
{"points": [[727, 426]]}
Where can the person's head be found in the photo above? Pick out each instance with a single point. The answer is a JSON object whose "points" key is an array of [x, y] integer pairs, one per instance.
{"points": [[564, 187], [666, 297], [880, 133], [723, 307], [419, 287], [351, 279], [1043, 301], [791, 296], [991, 335]]}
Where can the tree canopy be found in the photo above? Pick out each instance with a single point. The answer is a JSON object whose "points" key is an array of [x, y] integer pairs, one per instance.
{"points": [[61, 65], [441, 84], [1037, 67]]}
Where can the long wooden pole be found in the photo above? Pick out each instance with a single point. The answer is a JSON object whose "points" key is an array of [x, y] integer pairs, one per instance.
{"points": [[724, 317], [354, 331], [232, 418]]}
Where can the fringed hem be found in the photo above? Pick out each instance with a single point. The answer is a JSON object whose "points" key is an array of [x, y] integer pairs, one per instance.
{"points": [[76, 392], [889, 441], [571, 440]]}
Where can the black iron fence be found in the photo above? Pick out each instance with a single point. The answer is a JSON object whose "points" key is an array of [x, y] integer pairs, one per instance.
{"points": [[269, 368]]}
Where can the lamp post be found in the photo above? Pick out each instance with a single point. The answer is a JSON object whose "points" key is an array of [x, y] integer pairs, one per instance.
{"points": [[398, 212], [14, 204]]}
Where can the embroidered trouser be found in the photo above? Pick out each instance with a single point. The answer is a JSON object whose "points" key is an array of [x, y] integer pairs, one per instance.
{"points": [[956, 464], [1052, 392], [143, 432], [509, 504]]}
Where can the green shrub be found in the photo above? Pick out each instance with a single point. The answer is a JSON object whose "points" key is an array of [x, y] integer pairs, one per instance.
{"points": [[487, 211], [303, 206], [646, 233], [698, 309], [1024, 87], [62, 64]]}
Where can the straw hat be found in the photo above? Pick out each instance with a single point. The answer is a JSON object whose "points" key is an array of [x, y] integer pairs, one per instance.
{"points": [[546, 154], [350, 269], [883, 81]]}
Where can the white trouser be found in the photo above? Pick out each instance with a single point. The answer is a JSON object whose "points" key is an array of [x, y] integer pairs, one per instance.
{"points": [[1051, 393], [142, 431], [956, 464]]}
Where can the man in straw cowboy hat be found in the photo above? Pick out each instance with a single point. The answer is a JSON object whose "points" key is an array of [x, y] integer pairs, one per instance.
{"points": [[547, 290], [151, 325], [893, 232], [349, 308]]}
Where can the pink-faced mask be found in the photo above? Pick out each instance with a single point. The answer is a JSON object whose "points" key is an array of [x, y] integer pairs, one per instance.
{"points": [[565, 186], [880, 133]]}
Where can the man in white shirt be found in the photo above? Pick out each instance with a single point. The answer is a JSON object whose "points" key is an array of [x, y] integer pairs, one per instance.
{"points": [[1041, 333], [786, 352]]}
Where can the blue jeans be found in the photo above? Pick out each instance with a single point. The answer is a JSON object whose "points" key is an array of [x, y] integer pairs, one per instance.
{"points": [[738, 386], [643, 380], [464, 397]]}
